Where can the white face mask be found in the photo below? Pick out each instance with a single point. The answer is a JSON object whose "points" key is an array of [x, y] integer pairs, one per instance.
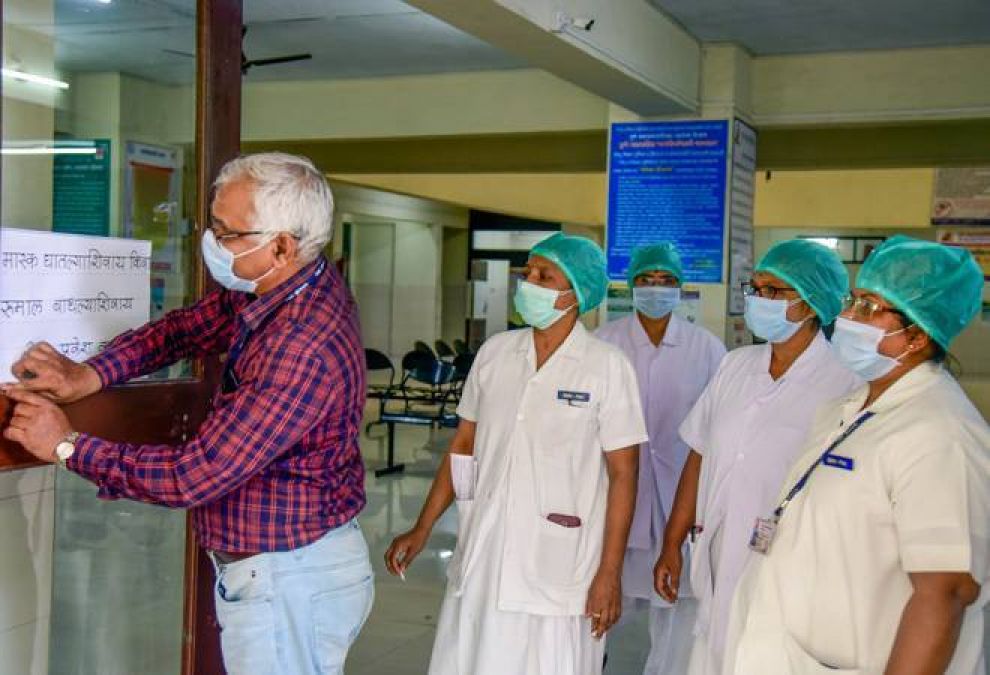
{"points": [[768, 318], [856, 345], [655, 302], [220, 262], [537, 305]]}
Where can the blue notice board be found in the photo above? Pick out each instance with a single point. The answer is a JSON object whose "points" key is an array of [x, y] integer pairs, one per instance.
{"points": [[666, 182]]}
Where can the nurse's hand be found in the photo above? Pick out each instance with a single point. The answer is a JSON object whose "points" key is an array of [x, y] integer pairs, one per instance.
{"points": [[667, 573], [604, 605], [404, 550]]}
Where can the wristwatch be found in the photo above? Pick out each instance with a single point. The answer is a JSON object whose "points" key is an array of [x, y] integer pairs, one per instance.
{"points": [[66, 448]]}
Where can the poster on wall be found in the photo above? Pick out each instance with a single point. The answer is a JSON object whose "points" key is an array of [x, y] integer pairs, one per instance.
{"points": [[81, 187], [153, 212], [741, 193], [962, 196], [74, 292], [667, 182], [976, 240]]}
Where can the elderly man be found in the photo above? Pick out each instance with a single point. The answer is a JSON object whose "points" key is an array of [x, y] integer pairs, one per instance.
{"points": [[273, 477], [543, 468]]}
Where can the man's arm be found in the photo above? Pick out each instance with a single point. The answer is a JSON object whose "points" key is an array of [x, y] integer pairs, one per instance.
{"points": [[266, 416], [929, 628], [407, 546], [604, 604], [207, 327]]}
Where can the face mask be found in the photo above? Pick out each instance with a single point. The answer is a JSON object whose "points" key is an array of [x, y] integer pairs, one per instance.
{"points": [[768, 319], [536, 305], [220, 262], [856, 346], [655, 302]]}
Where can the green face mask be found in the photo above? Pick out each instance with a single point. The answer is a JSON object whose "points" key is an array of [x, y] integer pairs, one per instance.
{"points": [[536, 305]]}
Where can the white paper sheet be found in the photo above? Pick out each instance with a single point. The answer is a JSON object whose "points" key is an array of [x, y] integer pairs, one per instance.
{"points": [[462, 471], [74, 292]]}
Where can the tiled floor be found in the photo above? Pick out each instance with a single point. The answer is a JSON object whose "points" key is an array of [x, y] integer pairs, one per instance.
{"points": [[398, 637]]}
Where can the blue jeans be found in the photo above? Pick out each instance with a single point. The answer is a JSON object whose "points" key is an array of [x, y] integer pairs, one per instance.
{"points": [[295, 612]]}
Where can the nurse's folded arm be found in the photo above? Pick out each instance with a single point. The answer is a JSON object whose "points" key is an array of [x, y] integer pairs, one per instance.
{"points": [[604, 605], [929, 628], [667, 572], [407, 546]]}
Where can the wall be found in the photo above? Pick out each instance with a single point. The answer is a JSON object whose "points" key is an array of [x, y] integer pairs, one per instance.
{"points": [[884, 198], [414, 297], [557, 197], [453, 275], [427, 105]]}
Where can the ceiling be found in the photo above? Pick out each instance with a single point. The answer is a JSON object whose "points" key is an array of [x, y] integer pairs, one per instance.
{"points": [[154, 39], [348, 39], [768, 27]]}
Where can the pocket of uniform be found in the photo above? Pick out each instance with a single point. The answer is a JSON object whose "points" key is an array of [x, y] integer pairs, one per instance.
{"points": [[562, 424], [338, 616], [556, 553], [464, 508]]}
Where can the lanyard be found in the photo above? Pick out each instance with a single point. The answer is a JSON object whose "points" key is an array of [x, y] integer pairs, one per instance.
{"points": [[229, 381], [779, 511]]}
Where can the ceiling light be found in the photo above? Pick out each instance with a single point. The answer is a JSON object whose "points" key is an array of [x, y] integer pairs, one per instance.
{"points": [[104, 2], [36, 79], [46, 150]]}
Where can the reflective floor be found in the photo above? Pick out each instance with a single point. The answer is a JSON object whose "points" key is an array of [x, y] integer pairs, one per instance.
{"points": [[398, 637]]}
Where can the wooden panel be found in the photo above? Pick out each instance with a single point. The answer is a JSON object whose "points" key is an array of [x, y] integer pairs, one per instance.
{"points": [[218, 132]]}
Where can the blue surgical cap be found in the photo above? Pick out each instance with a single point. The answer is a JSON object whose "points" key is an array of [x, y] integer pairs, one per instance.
{"points": [[582, 262], [938, 287], [655, 257], [814, 271]]}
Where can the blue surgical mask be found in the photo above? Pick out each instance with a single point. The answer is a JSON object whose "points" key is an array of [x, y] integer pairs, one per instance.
{"points": [[655, 302], [856, 346], [768, 319], [220, 262], [536, 305]]}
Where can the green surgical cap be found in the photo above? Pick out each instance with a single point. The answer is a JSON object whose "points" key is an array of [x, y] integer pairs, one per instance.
{"points": [[814, 271], [938, 287], [662, 257], [582, 262]]}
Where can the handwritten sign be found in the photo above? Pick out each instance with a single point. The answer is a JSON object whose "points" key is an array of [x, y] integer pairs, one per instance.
{"points": [[75, 292]]}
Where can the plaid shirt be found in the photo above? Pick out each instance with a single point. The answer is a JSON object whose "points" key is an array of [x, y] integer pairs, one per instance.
{"points": [[276, 464]]}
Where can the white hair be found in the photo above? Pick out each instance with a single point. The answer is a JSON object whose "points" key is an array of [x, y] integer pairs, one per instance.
{"points": [[289, 194]]}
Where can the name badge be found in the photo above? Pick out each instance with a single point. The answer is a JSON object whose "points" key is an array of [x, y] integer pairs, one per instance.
{"points": [[839, 462], [764, 530], [573, 397]]}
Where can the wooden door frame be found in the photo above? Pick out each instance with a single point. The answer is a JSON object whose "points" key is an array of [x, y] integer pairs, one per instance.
{"points": [[170, 412], [218, 138]]}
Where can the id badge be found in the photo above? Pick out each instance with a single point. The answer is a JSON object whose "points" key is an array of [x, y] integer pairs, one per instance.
{"points": [[763, 534]]}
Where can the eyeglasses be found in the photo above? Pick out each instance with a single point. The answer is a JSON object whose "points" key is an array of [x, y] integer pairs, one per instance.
{"points": [[232, 235], [769, 292], [866, 308], [665, 281]]}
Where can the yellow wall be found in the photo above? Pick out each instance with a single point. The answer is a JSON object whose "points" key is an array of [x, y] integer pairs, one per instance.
{"points": [[887, 198], [575, 198]]}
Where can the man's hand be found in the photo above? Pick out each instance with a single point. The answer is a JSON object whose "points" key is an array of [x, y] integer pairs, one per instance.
{"points": [[43, 370], [604, 605], [404, 550], [38, 424], [667, 573]]}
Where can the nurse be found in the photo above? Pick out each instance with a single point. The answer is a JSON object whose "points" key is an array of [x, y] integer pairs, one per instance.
{"points": [[543, 467], [674, 359], [881, 550], [747, 429]]}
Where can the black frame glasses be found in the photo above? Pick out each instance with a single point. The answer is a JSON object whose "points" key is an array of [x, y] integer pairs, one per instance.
{"points": [[769, 292]]}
